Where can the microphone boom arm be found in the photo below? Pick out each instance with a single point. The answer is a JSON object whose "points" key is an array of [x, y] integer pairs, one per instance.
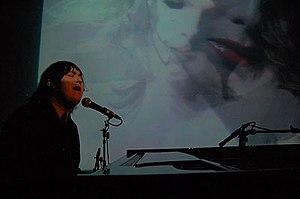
{"points": [[243, 134]]}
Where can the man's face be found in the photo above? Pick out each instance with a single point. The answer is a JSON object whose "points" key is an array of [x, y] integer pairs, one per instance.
{"points": [[72, 87]]}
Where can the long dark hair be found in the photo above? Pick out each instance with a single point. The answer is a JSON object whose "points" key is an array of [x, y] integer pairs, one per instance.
{"points": [[49, 84], [280, 38]]}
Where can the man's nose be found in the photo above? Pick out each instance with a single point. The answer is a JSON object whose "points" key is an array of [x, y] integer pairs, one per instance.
{"points": [[79, 81]]}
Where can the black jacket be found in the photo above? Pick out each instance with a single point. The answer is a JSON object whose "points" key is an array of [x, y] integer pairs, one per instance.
{"points": [[35, 144]]}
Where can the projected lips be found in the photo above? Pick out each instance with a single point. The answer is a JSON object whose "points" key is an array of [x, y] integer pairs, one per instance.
{"points": [[235, 53]]}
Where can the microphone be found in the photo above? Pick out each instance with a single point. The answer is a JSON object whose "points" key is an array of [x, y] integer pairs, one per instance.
{"points": [[230, 137], [234, 134], [87, 102]]}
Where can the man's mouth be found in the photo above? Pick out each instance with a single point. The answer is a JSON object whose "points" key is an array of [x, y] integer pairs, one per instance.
{"points": [[77, 88]]}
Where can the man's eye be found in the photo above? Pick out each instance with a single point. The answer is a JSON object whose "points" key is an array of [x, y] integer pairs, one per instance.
{"points": [[71, 75]]}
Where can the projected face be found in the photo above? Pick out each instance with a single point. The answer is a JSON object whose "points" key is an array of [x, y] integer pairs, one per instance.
{"points": [[221, 61], [222, 68]]}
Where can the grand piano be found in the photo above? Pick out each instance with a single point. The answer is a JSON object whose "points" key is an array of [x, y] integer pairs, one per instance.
{"points": [[259, 171], [263, 171]]}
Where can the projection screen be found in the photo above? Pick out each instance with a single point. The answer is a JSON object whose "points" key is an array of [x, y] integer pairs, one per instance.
{"points": [[173, 70]]}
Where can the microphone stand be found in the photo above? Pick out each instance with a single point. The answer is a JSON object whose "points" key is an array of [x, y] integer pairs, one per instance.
{"points": [[242, 133], [291, 130], [105, 137]]}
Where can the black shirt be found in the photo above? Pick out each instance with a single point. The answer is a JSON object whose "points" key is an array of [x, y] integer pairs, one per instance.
{"points": [[36, 144]]}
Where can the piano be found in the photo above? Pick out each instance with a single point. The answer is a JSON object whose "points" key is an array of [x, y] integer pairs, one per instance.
{"points": [[262, 171]]}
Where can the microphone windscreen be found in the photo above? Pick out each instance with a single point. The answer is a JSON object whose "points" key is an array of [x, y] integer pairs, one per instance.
{"points": [[86, 102]]}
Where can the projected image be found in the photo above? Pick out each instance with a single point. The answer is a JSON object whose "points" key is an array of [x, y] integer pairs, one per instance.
{"points": [[180, 73]]}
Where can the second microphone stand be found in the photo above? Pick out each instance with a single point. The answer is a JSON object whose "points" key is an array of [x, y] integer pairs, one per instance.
{"points": [[242, 133]]}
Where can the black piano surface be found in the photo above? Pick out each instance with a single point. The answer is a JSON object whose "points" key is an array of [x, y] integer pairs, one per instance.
{"points": [[263, 171]]}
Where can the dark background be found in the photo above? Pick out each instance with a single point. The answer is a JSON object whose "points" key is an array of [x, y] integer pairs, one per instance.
{"points": [[20, 34]]}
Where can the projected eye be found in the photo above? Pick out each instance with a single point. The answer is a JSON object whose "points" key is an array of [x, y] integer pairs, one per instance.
{"points": [[174, 4], [226, 2]]}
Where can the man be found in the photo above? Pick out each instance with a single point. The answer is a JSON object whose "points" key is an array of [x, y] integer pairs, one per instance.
{"points": [[40, 140]]}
